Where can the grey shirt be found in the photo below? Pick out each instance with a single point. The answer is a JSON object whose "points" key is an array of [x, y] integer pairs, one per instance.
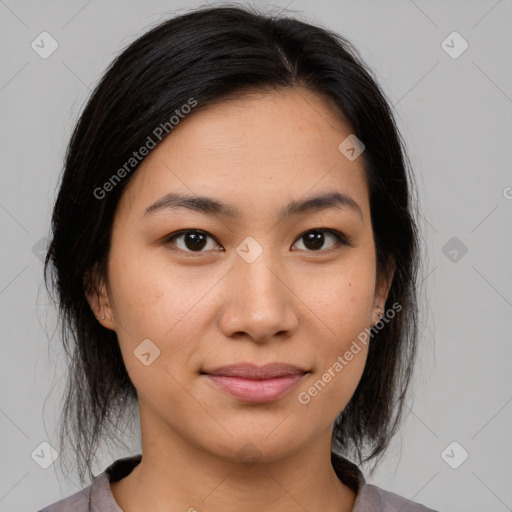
{"points": [[97, 497]]}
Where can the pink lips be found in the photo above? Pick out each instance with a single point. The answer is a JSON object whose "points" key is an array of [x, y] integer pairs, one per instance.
{"points": [[252, 383]]}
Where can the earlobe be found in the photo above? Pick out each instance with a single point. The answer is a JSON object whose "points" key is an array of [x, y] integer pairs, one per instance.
{"points": [[98, 299], [103, 311], [381, 295], [378, 313]]}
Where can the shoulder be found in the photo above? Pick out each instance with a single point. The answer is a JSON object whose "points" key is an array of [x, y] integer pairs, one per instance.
{"points": [[372, 497], [78, 502], [89, 499], [97, 497], [369, 497]]}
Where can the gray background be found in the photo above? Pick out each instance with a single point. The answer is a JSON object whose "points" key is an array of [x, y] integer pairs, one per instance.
{"points": [[455, 115]]}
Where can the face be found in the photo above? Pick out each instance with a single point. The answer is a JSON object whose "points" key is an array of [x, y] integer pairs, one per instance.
{"points": [[206, 288]]}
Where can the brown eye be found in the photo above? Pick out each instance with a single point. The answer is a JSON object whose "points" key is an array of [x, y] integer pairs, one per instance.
{"points": [[191, 240], [314, 239]]}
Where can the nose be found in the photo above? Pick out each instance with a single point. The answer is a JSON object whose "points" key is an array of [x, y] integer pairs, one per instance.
{"points": [[259, 302]]}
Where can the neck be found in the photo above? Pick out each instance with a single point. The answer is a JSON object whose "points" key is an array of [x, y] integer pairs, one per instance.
{"points": [[176, 475]]}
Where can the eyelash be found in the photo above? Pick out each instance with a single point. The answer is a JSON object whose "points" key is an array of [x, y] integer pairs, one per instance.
{"points": [[341, 240]]}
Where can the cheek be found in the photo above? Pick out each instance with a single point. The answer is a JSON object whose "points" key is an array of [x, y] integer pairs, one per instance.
{"points": [[342, 300], [152, 303], [151, 297], [340, 361], [342, 303], [161, 303], [326, 394]]}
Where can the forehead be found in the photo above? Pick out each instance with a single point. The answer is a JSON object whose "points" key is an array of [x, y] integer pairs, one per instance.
{"points": [[258, 150]]}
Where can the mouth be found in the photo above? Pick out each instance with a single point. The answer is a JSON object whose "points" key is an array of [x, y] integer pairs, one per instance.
{"points": [[256, 384]]}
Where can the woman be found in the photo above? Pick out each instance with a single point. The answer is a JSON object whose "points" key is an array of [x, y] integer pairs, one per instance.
{"points": [[234, 251]]}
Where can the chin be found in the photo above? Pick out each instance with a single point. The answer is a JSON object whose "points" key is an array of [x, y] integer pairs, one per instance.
{"points": [[268, 442]]}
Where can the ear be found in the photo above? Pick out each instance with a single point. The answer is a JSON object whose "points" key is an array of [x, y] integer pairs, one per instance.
{"points": [[97, 296], [382, 287]]}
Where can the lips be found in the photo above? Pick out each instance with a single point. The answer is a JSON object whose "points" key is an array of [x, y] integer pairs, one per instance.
{"points": [[251, 371], [250, 383]]}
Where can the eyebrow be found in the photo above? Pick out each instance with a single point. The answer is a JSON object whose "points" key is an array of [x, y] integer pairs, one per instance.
{"points": [[209, 205]]}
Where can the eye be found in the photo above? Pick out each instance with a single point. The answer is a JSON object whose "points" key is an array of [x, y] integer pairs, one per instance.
{"points": [[195, 240], [314, 239], [192, 240]]}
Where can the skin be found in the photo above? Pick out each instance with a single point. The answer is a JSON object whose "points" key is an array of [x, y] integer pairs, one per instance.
{"points": [[293, 304]]}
